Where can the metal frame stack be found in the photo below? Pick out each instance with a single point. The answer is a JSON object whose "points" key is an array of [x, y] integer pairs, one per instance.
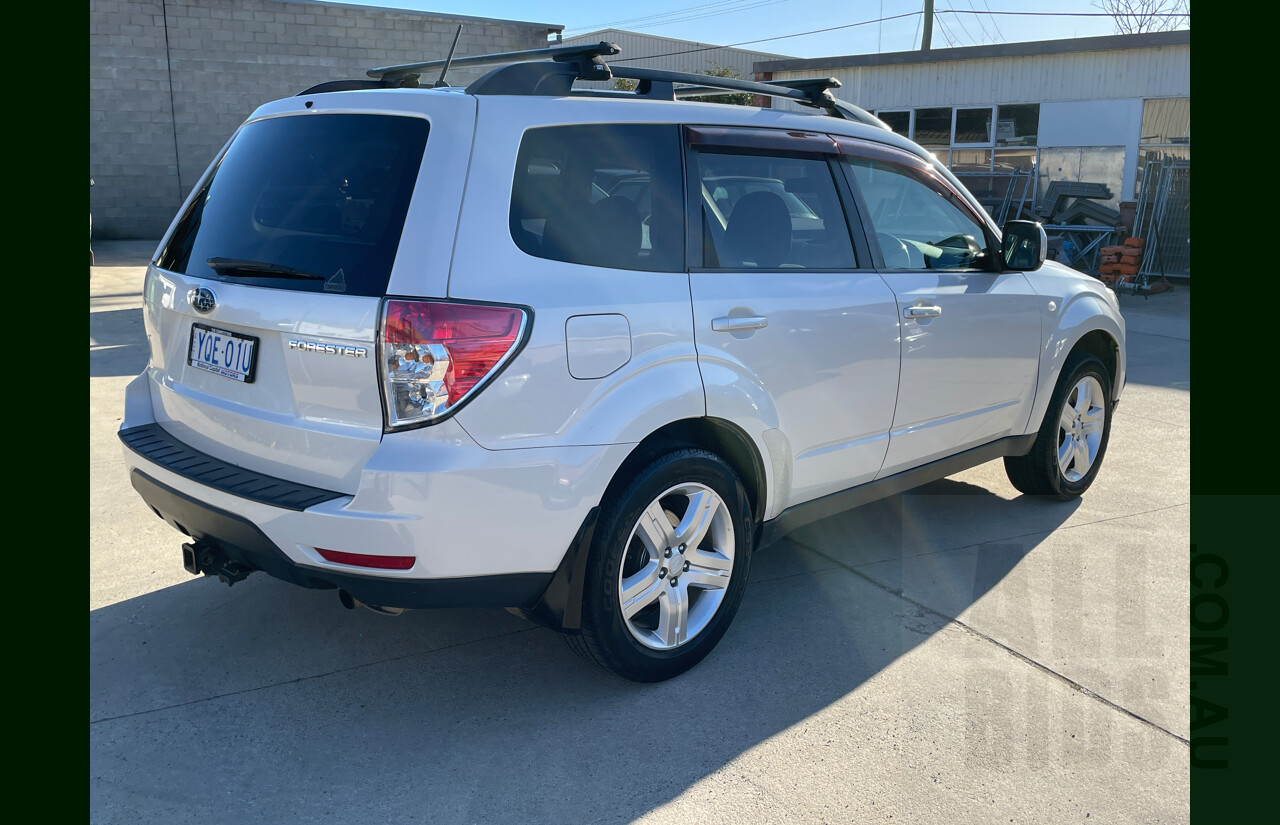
{"points": [[1163, 218]]}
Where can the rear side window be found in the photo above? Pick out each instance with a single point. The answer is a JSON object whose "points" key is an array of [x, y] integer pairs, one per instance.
{"points": [[771, 212], [601, 195], [312, 202]]}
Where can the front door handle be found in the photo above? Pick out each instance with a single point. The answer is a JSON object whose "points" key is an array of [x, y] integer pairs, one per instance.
{"points": [[922, 312], [736, 324]]}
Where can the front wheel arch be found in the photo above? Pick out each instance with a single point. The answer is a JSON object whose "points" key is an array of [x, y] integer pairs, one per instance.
{"points": [[1100, 344]]}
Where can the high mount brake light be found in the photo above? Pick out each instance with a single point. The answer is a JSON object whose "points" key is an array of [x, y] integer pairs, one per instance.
{"points": [[434, 354]]}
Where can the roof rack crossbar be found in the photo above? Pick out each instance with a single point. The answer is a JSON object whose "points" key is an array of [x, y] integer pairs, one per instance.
{"points": [[814, 92], [704, 82], [407, 73], [586, 62]]}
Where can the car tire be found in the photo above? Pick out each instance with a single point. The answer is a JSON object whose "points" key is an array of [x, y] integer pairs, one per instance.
{"points": [[667, 568], [1072, 441]]}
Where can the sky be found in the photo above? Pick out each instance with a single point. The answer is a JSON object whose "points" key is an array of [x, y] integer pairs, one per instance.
{"points": [[728, 22]]}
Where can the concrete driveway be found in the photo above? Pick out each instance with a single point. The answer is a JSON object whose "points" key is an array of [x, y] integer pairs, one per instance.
{"points": [[958, 654]]}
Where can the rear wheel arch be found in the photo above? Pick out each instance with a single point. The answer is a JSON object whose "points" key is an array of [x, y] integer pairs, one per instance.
{"points": [[716, 435], [561, 604]]}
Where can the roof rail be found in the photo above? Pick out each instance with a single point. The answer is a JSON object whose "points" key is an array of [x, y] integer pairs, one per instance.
{"points": [[585, 59]]}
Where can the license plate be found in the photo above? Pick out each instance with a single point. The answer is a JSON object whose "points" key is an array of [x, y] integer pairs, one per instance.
{"points": [[224, 353]]}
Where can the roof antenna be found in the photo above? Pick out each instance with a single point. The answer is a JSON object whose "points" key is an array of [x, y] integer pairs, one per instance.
{"points": [[440, 83]]}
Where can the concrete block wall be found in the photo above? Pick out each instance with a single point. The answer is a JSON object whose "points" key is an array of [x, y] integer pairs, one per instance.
{"points": [[170, 80]]}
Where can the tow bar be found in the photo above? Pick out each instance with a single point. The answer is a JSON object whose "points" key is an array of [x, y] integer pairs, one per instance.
{"points": [[202, 559]]}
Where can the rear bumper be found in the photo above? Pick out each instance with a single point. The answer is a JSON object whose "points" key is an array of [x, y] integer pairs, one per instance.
{"points": [[238, 540], [484, 527]]}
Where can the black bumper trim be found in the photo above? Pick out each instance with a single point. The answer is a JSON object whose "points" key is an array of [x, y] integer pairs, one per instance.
{"points": [[155, 444], [241, 541]]}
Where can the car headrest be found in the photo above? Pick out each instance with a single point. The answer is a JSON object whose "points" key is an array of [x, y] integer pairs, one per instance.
{"points": [[759, 231], [613, 238]]}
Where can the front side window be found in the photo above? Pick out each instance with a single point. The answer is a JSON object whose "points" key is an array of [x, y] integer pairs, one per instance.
{"points": [[608, 195], [771, 212], [917, 221]]}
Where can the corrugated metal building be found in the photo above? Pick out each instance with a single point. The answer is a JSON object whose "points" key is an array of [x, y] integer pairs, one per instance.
{"points": [[674, 55], [1085, 109]]}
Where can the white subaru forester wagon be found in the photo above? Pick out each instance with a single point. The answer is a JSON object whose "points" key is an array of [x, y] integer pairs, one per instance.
{"points": [[579, 352]]}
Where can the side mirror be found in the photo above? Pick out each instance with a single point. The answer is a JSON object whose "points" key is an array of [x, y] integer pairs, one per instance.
{"points": [[1023, 245]]}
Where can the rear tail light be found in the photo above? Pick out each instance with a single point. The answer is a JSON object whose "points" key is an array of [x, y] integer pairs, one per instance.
{"points": [[436, 354]]}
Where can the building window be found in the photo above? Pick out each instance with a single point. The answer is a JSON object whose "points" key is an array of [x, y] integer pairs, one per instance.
{"points": [[970, 160], [1014, 160], [973, 127], [1167, 121], [899, 121], [1017, 125], [1166, 134], [933, 127], [1005, 178]]}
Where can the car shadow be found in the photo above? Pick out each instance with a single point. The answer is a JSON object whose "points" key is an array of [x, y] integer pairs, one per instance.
{"points": [[267, 694], [117, 343]]}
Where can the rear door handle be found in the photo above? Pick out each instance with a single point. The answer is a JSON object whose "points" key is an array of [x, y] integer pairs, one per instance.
{"points": [[922, 312], [736, 324]]}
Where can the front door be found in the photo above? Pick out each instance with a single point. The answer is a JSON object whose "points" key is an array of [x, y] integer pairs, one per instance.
{"points": [[970, 333]]}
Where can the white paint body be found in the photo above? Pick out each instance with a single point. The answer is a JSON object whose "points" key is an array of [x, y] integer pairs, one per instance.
{"points": [[839, 389]]}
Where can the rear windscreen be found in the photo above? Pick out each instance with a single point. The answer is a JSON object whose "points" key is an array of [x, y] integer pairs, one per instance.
{"points": [[307, 202]]}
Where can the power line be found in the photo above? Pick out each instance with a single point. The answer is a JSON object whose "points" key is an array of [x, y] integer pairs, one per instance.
{"points": [[753, 5], [964, 28], [1056, 13], [917, 14], [942, 27], [994, 22], [643, 18], [680, 15], [982, 24], [768, 39]]}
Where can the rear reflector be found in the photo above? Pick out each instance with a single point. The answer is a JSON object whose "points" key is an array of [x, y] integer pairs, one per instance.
{"points": [[436, 353], [364, 560]]}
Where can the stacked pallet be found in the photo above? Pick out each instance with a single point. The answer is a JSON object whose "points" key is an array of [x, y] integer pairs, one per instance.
{"points": [[1120, 262]]}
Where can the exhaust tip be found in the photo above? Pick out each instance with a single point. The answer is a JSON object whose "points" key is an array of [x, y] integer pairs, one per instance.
{"points": [[345, 597]]}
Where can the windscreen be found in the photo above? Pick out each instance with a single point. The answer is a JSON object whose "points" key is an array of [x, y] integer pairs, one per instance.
{"points": [[311, 202]]}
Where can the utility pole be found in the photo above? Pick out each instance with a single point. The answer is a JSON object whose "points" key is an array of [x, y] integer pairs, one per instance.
{"points": [[926, 42]]}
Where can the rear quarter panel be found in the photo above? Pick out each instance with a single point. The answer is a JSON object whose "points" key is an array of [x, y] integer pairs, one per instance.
{"points": [[536, 401]]}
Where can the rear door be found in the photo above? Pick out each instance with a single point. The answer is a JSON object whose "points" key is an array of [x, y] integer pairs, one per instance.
{"points": [[786, 304], [970, 333], [262, 305]]}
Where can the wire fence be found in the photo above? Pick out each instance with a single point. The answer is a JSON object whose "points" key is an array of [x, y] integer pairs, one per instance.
{"points": [[1163, 217]]}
